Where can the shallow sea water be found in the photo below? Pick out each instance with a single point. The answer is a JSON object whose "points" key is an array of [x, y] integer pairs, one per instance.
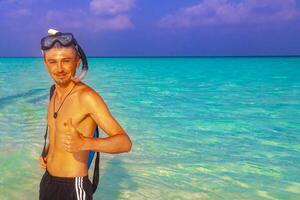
{"points": [[202, 128]]}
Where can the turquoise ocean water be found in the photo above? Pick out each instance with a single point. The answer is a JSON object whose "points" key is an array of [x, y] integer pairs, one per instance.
{"points": [[202, 128]]}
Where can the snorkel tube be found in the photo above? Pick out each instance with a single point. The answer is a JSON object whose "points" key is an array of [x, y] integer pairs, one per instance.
{"points": [[81, 53], [84, 64]]}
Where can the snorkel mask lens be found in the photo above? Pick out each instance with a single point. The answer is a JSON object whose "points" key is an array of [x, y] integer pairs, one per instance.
{"points": [[64, 39]]}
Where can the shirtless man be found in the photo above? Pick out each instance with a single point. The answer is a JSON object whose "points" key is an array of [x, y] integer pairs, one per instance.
{"points": [[79, 110]]}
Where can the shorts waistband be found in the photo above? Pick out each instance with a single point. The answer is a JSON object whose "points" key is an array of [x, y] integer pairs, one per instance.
{"points": [[63, 179]]}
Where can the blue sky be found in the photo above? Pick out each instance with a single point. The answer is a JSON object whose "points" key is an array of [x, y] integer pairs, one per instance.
{"points": [[155, 28]]}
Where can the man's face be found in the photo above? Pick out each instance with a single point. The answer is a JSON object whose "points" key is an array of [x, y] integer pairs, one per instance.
{"points": [[61, 64]]}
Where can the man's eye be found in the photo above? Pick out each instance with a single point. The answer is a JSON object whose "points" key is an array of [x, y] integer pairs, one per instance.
{"points": [[52, 62]]}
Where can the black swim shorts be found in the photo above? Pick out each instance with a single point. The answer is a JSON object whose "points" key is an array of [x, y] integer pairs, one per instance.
{"points": [[65, 188]]}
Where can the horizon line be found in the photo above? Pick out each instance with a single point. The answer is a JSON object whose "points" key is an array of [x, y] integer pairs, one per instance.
{"points": [[186, 56]]}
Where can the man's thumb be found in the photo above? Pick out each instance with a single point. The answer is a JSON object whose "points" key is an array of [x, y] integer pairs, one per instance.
{"points": [[70, 124]]}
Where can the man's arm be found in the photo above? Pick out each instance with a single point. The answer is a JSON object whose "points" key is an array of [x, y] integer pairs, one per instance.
{"points": [[118, 140]]}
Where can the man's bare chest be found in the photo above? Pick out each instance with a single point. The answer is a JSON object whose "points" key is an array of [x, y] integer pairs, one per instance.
{"points": [[70, 108]]}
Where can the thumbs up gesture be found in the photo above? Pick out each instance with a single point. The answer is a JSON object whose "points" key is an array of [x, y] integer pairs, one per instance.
{"points": [[73, 140]]}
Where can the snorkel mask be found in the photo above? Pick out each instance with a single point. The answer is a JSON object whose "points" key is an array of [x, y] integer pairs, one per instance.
{"points": [[65, 39]]}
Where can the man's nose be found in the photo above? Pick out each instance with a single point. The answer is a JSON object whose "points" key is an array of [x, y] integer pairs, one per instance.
{"points": [[59, 67]]}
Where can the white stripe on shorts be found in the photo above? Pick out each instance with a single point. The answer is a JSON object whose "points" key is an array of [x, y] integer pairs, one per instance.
{"points": [[83, 197], [80, 193], [76, 187]]}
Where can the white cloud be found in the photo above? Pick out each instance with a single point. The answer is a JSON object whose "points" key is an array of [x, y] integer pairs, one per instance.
{"points": [[111, 14], [101, 15], [111, 7], [80, 18], [118, 22], [228, 12], [73, 18], [118, 18]]}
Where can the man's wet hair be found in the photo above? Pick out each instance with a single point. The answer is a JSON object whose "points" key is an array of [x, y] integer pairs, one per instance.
{"points": [[57, 45]]}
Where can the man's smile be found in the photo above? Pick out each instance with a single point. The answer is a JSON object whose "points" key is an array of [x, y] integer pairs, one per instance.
{"points": [[61, 75]]}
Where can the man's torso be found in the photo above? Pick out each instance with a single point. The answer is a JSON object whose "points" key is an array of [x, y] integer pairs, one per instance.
{"points": [[61, 162]]}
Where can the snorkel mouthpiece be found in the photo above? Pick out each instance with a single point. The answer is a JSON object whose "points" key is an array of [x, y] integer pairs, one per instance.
{"points": [[55, 33]]}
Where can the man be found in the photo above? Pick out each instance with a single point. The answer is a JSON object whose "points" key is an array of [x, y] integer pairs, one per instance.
{"points": [[74, 111]]}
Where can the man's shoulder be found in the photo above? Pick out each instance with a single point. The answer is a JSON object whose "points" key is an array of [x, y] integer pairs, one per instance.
{"points": [[87, 92]]}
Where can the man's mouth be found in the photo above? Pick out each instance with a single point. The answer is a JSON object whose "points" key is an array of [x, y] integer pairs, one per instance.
{"points": [[61, 75]]}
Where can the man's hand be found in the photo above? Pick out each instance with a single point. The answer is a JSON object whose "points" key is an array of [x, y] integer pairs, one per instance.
{"points": [[43, 164], [73, 140]]}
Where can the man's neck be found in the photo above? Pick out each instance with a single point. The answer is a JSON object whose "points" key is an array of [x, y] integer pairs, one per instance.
{"points": [[61, 90]]}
